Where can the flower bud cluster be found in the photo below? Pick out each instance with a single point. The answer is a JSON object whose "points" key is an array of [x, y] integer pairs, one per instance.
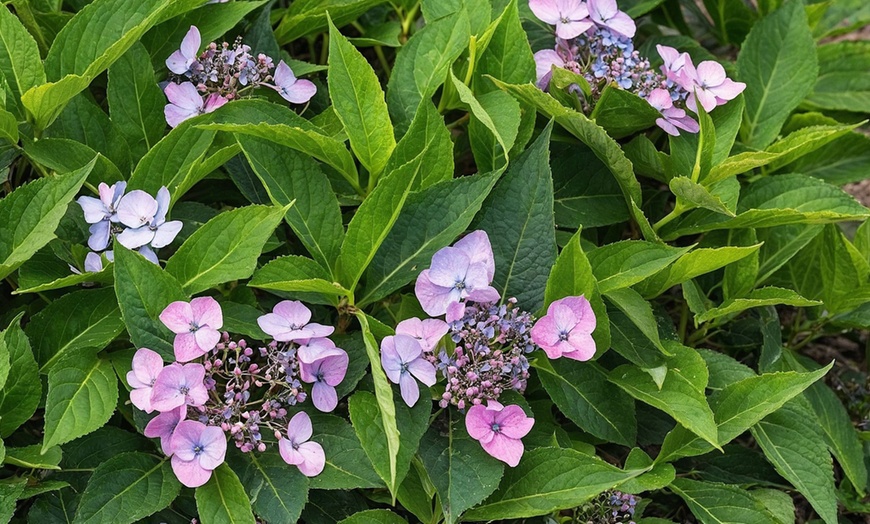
{"points": [[610, 507], [220, 387], [136, 218], [492, 342]]}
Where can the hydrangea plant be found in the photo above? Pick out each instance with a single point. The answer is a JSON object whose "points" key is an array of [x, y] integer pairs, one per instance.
{"points": [[545, 261]]}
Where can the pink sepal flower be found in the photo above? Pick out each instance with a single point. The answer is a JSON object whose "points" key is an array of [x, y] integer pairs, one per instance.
{"points": [[147, 365], [325, 368], [402, 358], [288, 322], [182, 59], [179, 385], [163, 426], [195, 324], [292, 89], [186, 102], [605, 13], [499, 430], [197, 450], [545, 59], [566, 329], [571, 17], [427, 332], [709, 85], [673, 118], [297, 450]]}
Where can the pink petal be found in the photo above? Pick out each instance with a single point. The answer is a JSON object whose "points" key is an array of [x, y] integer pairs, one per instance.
{"points": [[622, 24], [165, 395], [390, 359], [185, 438], [137, 208], [584, 317], [667, 126], [166, 233], [433, 298], [178, 63], [727, 90], [207, 312], [573, 28], [185, 96], [214, 444], [410, 389], [288, 453], [163, 426], [186, 348], [506, 449], [573, 9], [324, 396], [147, 365], [206, 338], [423, 370], [513, 422], [190, 473], [583, 346], [660, 99], [316, 349], [544, 62], [433, 331], [299, 428], [93, 208], [313, 459], [294, 312], [300, 92], [334, 369], [134, 238], [314, 330], [213, 101], [545, 10], [545, 332], [555, 351], [177, 316], [602, 9], [711, 73], [407, 348], [449, 266], [191, 42], [478, 423], [175, 115], [275, 325], [707, 99], [141, 398], [455, 311], [476, 278], [478, 248]]}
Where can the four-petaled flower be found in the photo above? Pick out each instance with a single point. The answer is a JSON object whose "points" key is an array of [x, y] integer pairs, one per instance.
{"points": [[181, 61], [292, 89], [157, 232], [499, 430], [288, 321], [605, 13], [566, 329], [453, 277], [186, 102], [102, 212], [195, 324], [672, 117], [197, 450], [571, 17], [296, 448], [709, 85], [179, 385], [323, 365], [147, 365], [402, 358], [427, 332], [163, 426]]}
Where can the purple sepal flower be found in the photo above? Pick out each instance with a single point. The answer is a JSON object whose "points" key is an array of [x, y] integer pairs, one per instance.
{"points": [[544, 62], [325, 367], [292, 89], [571, 17], [566, 329], [163, 426], [181, 61], [197, 450], [147, 365], [297, 450], [137, 208], [428, 333], [709, 85], [402, 358], [673, 118], [149, 254], [289, 322], [158, 232], [195, 324], [499, 430], [605, 13], [186, 102], [179, 385], [105, 207]]}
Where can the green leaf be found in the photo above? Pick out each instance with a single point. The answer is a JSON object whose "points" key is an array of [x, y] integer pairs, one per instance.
{"points": [[374, 516], [766, 296], [591, 200], [582, 393], [604, 147], [681, 395], [430, 220], [5, 364], [427, 145], [622, 113], [793, 63], [792, 441], [82, 393], [64, 155], [20, 63], [691, 195], [495, 121], [733, 19], [298, 274], [623, 264], [9, 494], [136, 101], [144, 290], [384, 396], [36, 210], [87, 319], [90, 43], [22, 392], [226, 248], [638, 346], [126, 488], [571, 275], [310, 16], [546, 480], [518, 216], [422, 65], [712, 503], [278, 492], [780, 245], [347, 466], [360, 105], [290, 176], [222, 499], [86, 122], [508, 56], [461, 471], [843, 161], [740, 278], [30, 457], [368, 424], [693, 264], [843, 83]]}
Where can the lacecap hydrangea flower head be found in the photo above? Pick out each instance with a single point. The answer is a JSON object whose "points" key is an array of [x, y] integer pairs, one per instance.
{"points": [[481, 347], [221, 388]]}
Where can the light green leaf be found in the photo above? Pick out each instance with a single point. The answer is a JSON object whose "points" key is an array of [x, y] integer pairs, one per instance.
{"points": [[582, 393], [639, 311], [298, 274], [495, 121], [428, 145], [222, 500], [126, 488], [305, 17], [694, 263], [843, 161], [507, 56], [766, 296], [144, 290], [30, 457], [136, 101], [712, 502], [691, 195], [87, 319], [622, 113], [290, 176], [20, 64], [780, 245], [374, 516], [546, 480], [64, 155], [22, 392], [794, 64], [360, 105], [461, 471], [35, 210], [278, 492], [792, 441], [226, 248], [9, 494], [82, 393], [844, 82], [430, 220], [623, 264], [5, 364]]}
